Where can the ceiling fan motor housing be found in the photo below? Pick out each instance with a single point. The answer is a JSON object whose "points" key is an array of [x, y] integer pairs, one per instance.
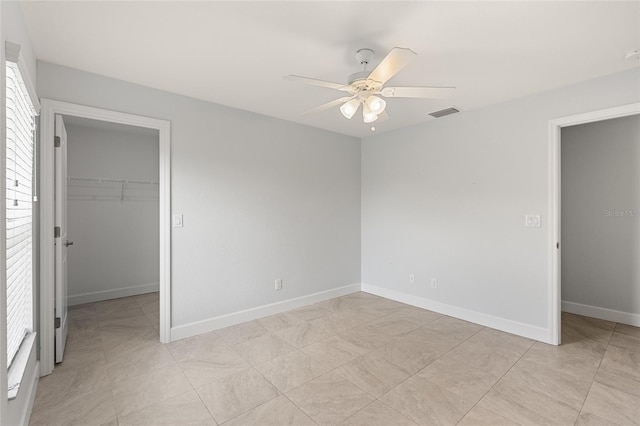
{"points": [[363, 56]]}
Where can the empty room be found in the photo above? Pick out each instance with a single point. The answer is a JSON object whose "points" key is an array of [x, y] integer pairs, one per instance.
{"points": [[369, 213]]}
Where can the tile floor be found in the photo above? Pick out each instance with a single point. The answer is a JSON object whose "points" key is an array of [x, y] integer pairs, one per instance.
{"points": [[354, 360]]}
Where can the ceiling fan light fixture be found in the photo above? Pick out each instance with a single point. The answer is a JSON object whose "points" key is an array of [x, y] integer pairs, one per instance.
{"points": [[368, 115], [376, 104], [348, 109]]}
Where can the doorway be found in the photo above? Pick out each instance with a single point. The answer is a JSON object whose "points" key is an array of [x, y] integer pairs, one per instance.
{"points": [[555, 232], [105, 188]]}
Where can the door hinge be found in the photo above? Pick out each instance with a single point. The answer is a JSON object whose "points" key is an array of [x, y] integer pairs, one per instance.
{"points": [[57, 322], [56, 232], [56, 141], [558, 245]]}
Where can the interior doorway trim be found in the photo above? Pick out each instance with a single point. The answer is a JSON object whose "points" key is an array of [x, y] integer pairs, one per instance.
{"points": [[555, 128], [46, 169]]}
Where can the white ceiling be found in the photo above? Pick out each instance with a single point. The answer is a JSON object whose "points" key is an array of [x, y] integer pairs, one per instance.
{"points": [[236, 53]]}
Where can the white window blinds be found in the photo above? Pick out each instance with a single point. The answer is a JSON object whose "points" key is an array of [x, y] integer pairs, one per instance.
{"points": [[20, 134]]}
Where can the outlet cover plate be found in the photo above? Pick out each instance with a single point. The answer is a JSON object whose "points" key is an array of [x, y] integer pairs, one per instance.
{"points": [[532, 221]]}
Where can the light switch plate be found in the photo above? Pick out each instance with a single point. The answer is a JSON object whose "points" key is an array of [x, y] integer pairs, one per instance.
{"points": [[177, 221], [532, 221]]}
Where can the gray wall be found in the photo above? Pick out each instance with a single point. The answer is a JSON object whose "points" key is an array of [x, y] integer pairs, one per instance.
{"points": [[116, 244], [600, 214], [447, 199], [262, 198]]}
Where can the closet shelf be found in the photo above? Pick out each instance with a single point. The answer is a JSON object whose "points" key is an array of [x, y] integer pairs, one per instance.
{"points": [[104, 189], [107, 180]]}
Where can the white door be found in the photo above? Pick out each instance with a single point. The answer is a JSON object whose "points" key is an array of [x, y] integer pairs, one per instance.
{"points": [[61, 242]]}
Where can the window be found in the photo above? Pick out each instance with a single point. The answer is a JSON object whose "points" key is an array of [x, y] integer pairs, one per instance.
{"points": [[20, 136]]}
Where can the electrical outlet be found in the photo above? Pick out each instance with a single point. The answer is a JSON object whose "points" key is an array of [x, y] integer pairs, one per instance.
{"points": [[434, 283], [412, 278], [279, 284], [532, 221]]}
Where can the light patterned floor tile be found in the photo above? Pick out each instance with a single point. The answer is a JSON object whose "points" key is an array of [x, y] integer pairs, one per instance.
{"points": [[104, 316], [329, 399], [114, 306], [366, 338], [114, 365], [292, 370], [275, 323], [334, 352], [620, 369], [309, 313], [83, 409], [62, 385], [116, 342], [453, 327], [140, 361], [241, 332], [263, 348], [626, 341], [339, 322], [513, 399], [484, 357], [373, 374], [564, 387], [612, 404], [197, 346], [410, 353], [628, 329], [233, 395], [395, 326], [136, 393], [426, 403], [466, 381], [78, 358], [420, 316], [304, 334], [480, 416], [212, 366], [503, 342], [126, 324], [377, 414], [277, 412], [185, 409]]}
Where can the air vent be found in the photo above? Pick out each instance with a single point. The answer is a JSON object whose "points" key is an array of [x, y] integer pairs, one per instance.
{"points": [[443, 112]]}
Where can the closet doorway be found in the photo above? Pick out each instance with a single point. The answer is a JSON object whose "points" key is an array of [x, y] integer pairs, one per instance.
{"points": [[110, 185], [555, 231], [112, 212], [112, 238]]}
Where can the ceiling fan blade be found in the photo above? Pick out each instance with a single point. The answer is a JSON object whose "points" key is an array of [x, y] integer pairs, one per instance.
{"points": [[396, 60], [418, 92], [316, 82], [328, 105]]}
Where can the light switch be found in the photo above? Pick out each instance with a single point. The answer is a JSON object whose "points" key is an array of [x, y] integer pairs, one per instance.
{"points": [[532, 221], [177, 221]]}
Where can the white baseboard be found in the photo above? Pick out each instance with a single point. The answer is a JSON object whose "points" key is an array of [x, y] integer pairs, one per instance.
{"points": [[210, 324], [521, 329], [601, 313], [97, 296]]}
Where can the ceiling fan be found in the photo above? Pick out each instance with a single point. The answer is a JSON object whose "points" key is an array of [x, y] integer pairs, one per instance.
{"points": [[364, 87]]}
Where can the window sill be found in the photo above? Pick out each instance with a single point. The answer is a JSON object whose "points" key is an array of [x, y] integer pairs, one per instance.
{"points": [[15, 375]]}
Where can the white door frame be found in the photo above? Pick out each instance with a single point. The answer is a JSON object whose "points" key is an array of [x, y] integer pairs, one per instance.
{"points": [[555, 128], [47, 285]]}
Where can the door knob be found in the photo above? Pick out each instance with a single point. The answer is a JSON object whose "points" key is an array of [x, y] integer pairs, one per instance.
{"points": [[68, 243]]}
